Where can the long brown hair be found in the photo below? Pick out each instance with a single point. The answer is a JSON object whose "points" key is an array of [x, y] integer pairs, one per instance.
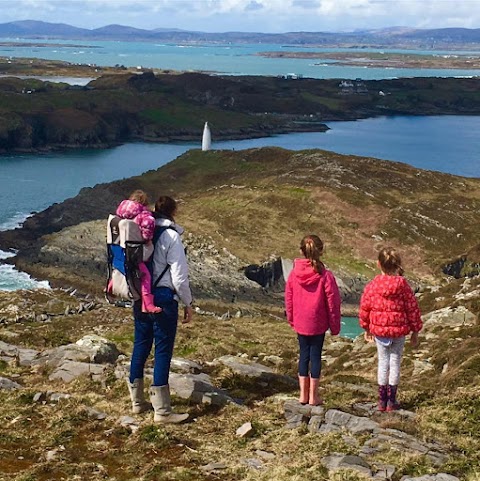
{"points": [[390, 261], [165, 207], [312, 248]]}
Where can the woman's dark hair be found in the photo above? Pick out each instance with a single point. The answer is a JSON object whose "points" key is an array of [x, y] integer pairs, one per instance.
{"points": [[312, 248], [165, 207]]}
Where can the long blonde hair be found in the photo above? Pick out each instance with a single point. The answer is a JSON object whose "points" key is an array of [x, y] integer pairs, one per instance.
{"points": [[312, 248], [390, 261]]}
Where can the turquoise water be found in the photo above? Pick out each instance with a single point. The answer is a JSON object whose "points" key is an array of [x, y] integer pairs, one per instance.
{"points": [[350, 327], [32, 182], [228, 59]]}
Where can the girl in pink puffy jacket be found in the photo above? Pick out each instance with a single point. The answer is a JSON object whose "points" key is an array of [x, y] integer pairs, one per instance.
{"points": [[388, 312], [136, 208], [312, 302]]}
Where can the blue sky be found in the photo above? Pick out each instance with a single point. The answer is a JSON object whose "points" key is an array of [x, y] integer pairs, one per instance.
{"points": [[248, 15]]}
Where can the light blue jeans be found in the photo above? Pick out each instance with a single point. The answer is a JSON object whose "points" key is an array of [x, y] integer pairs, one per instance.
{"points": [[160, 329]]}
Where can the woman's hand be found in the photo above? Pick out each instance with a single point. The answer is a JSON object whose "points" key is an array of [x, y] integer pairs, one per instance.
{"points": [[187, 314], [414, 339], [368, 336]]}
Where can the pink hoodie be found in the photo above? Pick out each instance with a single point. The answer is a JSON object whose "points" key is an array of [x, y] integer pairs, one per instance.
{"points": [[312, 300]]}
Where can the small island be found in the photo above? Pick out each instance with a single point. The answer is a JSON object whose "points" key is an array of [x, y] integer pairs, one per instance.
{"points": [[386, 60]]}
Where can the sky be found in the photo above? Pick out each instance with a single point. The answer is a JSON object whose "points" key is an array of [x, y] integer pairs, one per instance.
{"points": [[248, 15]]}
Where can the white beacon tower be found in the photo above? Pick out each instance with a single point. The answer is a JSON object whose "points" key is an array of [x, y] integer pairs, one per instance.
{"points": [[207, 138]]}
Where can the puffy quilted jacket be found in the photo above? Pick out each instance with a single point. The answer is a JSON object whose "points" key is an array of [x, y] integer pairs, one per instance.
{"points": [[312, 300], [130, 209], [388, 307]]}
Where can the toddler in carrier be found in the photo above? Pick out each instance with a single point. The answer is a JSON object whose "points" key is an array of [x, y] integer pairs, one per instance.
{"points": [[135, 208]]}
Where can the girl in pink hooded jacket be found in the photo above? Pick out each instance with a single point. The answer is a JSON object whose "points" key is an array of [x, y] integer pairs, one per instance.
{"points": [[312, 302], [135, 208]]}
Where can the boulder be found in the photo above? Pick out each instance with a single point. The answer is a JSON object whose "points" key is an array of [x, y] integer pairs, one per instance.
{"points": [[336, 462], [70, 370], [449, 317], [9, 352], [9, 385], [354, 424], [101, 350], [198, 388], [247, 368]]}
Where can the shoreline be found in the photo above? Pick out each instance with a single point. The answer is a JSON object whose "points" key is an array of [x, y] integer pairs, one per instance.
{"points": [[385, 60]]}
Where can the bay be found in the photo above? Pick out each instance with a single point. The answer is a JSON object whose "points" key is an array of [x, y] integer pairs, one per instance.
{"points": [[30, 183], [229, 59]]}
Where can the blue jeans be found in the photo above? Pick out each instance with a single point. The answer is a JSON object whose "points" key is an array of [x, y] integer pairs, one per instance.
{"points": [[160, 328], [310, 361]]}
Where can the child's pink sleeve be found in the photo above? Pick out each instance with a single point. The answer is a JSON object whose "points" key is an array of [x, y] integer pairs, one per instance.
{"points": [[333, 302], [146, 222], [289, 301], [365, 308], [412, 310]]}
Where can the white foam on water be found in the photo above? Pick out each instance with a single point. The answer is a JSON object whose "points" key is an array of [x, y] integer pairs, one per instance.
{"points": [[12, 280], [15, 221]]}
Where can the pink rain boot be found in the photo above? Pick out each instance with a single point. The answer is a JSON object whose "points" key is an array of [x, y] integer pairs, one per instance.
{"points": [[314, 398], [147, 304], [304, 382]]}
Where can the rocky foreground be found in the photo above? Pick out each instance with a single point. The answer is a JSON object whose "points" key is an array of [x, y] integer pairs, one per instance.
{"points": [[64, 352], [64, 359]]}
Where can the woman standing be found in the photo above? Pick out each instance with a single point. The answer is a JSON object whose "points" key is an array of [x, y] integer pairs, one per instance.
{"points": [[169, 285]]}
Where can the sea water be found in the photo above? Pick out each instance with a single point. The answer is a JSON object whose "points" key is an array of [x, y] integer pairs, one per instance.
{"points": [[230, 59], [31, 183]]}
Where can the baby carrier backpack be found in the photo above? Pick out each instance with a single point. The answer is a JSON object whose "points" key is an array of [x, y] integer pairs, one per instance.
{"points": [[126, 248]]}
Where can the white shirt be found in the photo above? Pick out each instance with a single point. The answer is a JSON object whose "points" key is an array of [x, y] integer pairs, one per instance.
{"points": [[169, 250]]}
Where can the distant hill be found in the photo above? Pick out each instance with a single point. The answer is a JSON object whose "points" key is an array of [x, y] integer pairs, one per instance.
{"points": [[386, 37]]}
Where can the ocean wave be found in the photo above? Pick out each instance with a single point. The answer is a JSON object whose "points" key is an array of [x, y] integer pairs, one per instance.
{"points": [[15, 221], [13, 280]]}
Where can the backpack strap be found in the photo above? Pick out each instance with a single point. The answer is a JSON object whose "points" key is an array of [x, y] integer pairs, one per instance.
{"points": [[158, 232]]}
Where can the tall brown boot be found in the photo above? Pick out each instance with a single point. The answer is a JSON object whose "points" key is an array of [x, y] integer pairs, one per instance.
{"points": [[304, 382]]}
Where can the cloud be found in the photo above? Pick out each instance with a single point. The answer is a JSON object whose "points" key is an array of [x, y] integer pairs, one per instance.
{"points": [[306, 4], [253, 6]]}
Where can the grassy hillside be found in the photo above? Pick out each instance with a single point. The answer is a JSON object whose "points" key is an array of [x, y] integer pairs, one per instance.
{"points": [[249, 205], [259, 203]]}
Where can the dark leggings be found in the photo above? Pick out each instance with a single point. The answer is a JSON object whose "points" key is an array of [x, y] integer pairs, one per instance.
{"points": [[310, 355]]}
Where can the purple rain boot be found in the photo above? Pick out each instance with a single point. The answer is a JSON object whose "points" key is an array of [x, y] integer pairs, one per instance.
{"points": [[392, 404], [382, 398]]}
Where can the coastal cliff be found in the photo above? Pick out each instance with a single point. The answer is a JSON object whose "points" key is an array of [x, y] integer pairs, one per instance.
{"points": [[256, 204]]}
